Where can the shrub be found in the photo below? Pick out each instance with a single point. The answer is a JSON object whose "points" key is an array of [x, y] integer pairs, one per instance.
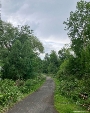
{"points": [[9, 92]]}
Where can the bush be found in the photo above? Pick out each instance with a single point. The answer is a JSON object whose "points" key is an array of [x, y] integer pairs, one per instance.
{"points": [[76, 90], [9, 93], [13, 91]]}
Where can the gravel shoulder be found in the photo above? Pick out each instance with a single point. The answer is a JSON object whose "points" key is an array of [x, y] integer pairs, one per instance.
{"points": [[39, 102]]}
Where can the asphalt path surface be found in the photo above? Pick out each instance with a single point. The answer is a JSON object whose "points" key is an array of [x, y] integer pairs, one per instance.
{"points": [[39, 102]]}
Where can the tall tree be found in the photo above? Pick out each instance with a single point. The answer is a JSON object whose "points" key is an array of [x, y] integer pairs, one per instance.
{"points": [[78, 26], [54, 64], [20, 51], [46, 63], [51, 63]]}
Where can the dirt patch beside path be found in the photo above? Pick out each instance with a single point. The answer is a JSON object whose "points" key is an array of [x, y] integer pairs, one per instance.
{"points": [[39, 102]]}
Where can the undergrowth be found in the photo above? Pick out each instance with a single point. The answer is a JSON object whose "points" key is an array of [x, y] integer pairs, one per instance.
{"points": [[14, 91], [65, 105]]}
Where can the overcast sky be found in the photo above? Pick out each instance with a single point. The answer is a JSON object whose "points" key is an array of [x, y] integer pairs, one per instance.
{"points": [[45, 17]]}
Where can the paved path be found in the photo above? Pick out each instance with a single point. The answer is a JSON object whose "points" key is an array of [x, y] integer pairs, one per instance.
{"points": [[39, 102]]}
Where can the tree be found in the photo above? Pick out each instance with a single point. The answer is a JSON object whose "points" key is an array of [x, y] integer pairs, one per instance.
{"points": [[78, 26], [62, 54], [74, 72], [50, 63], [19, 53], [54, 64], [46, 63]]}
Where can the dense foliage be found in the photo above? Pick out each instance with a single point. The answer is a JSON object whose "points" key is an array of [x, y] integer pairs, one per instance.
{"points": [[50, 63], [62, 103], [20, 64], [73, 62], [19, 52], [74, 71], [19, 59], [13, 91]]}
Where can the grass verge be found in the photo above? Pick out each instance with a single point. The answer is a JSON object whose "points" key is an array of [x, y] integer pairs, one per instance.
{"points": [[63, 104]]}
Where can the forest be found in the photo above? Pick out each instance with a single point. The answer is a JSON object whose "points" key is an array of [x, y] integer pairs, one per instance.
{"points": [[22, 69]]}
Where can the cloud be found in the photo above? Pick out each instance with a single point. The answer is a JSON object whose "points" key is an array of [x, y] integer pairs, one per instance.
{"points": [[54, 43], [45, 17]]}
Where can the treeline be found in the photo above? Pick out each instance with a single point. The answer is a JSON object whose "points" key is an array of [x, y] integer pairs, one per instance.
{"points": [[20, 49], [72, 64], [20, 64], [19, 52]]}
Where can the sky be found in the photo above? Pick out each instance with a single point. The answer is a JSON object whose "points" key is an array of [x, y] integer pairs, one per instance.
{"points": [[45, 17]]}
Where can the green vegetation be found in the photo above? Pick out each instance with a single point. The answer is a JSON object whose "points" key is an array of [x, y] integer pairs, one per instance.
{"points": [[20, 63], [64, 104], [13, 91], [50, 63], [71, 66], [19, 52]]}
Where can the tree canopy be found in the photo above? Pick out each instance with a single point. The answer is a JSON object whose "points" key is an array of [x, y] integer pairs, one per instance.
{"points": [[19, 51], [78, 26]]}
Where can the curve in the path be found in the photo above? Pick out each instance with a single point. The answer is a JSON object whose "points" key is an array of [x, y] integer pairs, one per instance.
{"points": [[39, 102]]}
